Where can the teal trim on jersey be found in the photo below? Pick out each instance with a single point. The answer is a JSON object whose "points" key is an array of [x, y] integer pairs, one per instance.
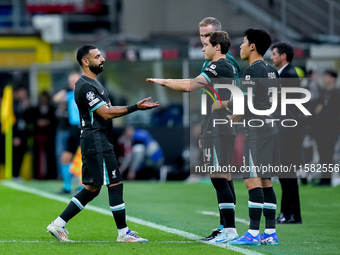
{"points": [[206, 77], [106, 180], [77, 203], [231, 60], [205, 65], [256, 62], [97, 106], [91, 117]]}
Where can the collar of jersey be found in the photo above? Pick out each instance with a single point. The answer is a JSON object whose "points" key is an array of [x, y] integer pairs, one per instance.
{"points": [[88, 79], [257, 61]]}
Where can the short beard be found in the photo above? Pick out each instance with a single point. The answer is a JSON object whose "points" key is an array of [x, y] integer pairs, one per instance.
{"points": [[96, 69]]}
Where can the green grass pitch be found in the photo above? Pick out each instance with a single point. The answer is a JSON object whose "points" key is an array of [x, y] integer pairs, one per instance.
{"points": [[171, 205]]}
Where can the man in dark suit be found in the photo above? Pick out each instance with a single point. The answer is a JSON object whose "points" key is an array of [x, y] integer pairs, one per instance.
{"points": [[290, 138]]}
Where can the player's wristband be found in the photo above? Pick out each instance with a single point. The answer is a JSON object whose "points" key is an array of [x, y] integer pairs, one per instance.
{"points": [[132, 108]]}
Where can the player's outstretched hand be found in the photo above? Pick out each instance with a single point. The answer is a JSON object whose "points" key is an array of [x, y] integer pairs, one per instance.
{"points": [[156, 80], [146, 105]]}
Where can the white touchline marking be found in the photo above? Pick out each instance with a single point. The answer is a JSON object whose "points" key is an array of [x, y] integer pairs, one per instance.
{"points": [[129, 218], [86, 241], [247, 222]]}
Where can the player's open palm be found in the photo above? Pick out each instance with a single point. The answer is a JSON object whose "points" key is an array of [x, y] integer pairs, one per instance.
{"points": [[146, 105]]}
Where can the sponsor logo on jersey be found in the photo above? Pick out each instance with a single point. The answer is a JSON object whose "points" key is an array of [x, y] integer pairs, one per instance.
{"points": [[248, 82], [90, 96], [211, 70], [247, 78], [213, 66]]}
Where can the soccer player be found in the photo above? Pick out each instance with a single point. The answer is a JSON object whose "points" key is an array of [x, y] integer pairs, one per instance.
{"points": [[217, 142], [261, 142], [99, 162], [207, 25]]}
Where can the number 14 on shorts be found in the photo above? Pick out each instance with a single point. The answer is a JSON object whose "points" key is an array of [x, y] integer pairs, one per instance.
{"points": [[207, 155]]}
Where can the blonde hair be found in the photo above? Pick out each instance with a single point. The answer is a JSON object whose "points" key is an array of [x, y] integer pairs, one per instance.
{"points": [[211, 21]]}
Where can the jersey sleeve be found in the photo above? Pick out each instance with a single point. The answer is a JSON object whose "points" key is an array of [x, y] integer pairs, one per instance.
{"points": [[209, 73], [90, 98], [215, 70]]}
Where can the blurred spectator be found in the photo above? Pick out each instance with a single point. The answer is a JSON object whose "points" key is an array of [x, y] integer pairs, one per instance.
{"points": [[70, 130], [21, 107], [310, 82], [44, 122], [310, 155], [139, 151], [326, 122]]}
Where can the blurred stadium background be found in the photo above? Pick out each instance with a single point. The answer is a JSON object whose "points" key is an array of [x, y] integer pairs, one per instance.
{"points": [[150, 38]]}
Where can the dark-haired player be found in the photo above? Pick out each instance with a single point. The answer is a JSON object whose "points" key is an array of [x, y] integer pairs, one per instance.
{"points": [[217, 142], [100, 166], [261, 142], [207, 25]]}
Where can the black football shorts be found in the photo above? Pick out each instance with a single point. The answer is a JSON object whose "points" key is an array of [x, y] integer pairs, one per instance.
{"points": [[100, 169], [261, 157], [218, 152]]}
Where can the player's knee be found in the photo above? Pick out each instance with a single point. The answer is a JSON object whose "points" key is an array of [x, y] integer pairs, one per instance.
{"points": [[115, 184], [116, 194], [218, 176], [115, 188], [267, 183], [93, 189]]}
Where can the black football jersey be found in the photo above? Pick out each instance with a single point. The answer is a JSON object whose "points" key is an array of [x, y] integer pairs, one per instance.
{"points": [[262, 77], [218, 72], [89, 95]]}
